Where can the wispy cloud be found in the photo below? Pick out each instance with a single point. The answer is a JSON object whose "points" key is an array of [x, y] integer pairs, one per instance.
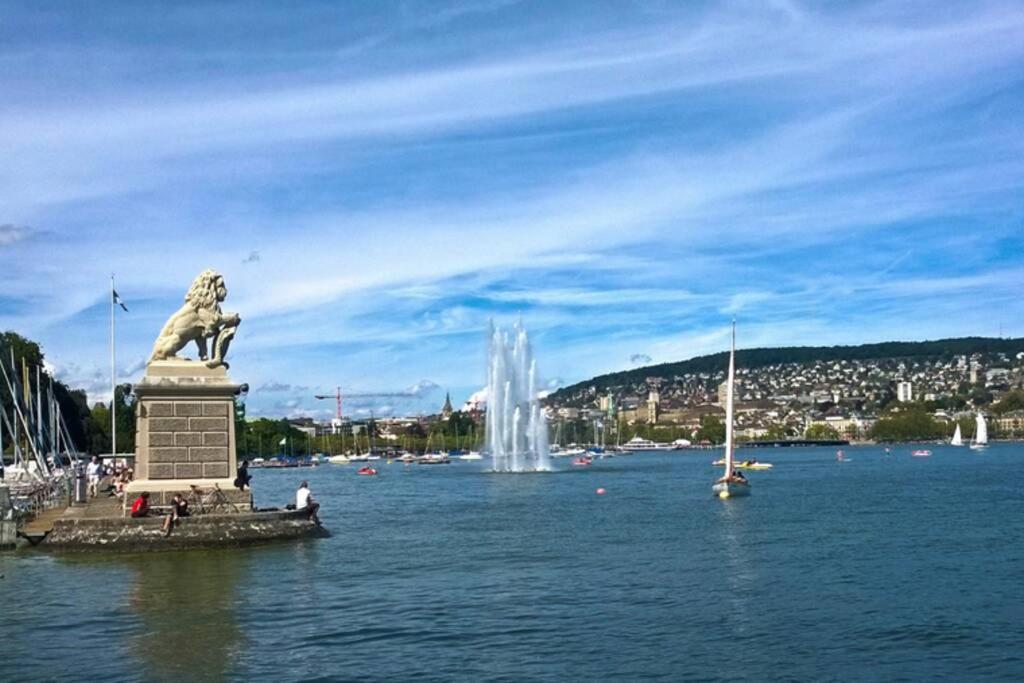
{"points": [[9, 234], [375, 183]]}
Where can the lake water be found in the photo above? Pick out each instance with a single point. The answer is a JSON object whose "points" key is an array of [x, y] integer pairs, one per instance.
{"points": [[880, 568]]}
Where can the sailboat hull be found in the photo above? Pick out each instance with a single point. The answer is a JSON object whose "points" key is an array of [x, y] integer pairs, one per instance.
{"points": [[730, 489]]}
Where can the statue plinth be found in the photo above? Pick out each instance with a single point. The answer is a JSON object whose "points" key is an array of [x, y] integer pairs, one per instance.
{"points": [[185, 431]]}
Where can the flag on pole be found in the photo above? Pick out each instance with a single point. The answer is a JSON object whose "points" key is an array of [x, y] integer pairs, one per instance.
{"points": [[282, 441], [117, 300]]}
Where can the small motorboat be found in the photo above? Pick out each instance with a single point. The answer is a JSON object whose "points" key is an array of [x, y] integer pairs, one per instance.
{"points": [[923, 453], [582, 461], [746, 465], [366, 471], [754, 465]]}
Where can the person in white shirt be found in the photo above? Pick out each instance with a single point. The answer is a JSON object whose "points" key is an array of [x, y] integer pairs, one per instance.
{"points": [[304, 501], [93, 472]]}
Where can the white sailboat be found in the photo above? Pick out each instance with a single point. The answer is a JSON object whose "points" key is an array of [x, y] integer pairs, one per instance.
{"points": [[732, 483], [958, 439], [980, 439]]}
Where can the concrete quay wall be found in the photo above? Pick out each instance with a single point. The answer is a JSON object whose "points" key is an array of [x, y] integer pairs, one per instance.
{"points": [[127, 534]]}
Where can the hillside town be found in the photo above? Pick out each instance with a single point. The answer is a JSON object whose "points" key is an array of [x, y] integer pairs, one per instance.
{"points": [[842, 398]]}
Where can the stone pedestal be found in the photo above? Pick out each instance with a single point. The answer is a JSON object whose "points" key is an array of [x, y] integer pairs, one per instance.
{"points": [[185, 432]]}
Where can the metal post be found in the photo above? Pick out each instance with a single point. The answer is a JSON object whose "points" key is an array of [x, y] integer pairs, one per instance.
{"points": [[113, 377]]}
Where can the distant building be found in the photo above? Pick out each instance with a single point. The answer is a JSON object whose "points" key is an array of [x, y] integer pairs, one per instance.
{"points": [[723, 393], [1011, 423], [447, 410], [904, 392], [653, 399]]}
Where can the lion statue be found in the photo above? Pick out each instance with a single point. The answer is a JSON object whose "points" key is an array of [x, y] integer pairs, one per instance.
{"points": [[199, 320]]}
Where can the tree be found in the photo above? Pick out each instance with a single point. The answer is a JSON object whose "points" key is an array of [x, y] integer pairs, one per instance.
{"points": [[264, 437], [913, 425], [1013, 400], [777, 432], [711, 429], [821, 432], [74, 409]]}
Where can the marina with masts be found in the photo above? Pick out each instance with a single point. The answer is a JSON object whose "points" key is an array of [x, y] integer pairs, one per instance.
{"points": [[38, 481]]}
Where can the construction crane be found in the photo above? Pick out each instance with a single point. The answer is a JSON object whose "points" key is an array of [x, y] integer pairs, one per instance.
{"points": [[336, 397], [371, 394]]}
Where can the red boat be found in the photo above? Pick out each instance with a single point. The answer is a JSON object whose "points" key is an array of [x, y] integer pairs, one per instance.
{"points": [[581, 462], [366, 471]]}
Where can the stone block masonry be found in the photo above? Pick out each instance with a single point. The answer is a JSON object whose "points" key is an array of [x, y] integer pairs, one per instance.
{"points": [[195, 441], [185, 429]]}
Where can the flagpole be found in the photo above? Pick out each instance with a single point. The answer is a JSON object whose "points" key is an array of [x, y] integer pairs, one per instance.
{"points": [[113, 377]]}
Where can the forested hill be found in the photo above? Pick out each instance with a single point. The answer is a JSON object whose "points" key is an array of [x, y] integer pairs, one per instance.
{"points": [[757, 358]]}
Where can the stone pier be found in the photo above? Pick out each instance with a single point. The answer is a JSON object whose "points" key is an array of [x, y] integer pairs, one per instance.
{"points": [[185, 431]]}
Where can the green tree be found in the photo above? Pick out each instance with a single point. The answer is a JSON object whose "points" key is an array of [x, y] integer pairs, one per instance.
{"points": [[777, 432], [821, 432], [1012, 400], [914, 425], [711, 429]]}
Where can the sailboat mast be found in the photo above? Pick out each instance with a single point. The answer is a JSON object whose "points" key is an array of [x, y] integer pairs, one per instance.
{"points": [[728, 403]]}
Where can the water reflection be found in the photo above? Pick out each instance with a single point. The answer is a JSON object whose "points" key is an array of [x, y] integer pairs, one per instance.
{"points": [[739, 575], [187, 605]]}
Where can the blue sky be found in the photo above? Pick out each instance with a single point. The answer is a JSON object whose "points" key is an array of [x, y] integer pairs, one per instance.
{"points": [[377, 180]]}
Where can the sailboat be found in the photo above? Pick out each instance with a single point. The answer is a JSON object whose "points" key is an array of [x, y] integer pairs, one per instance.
{"points": [[732, 483], [470, 452], [957, 439], [980, 439]]}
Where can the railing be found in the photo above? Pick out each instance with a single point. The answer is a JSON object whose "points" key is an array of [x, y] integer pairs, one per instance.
{"points": [[32, 497]]}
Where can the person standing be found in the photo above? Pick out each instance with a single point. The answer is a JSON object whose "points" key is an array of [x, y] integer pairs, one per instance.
{"points": [[304, 501], [243, 477], [93, 472]]}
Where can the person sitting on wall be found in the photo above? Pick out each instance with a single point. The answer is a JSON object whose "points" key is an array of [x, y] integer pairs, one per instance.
{"points": [[243, 478], [121, 481], [304, 501], [140, 508], [179, 509]]}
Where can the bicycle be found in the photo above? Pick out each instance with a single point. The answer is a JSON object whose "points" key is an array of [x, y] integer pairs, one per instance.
{"points": [[207, 502]]}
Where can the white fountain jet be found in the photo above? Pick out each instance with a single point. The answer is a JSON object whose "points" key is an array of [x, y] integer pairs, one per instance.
{"points": [[517, 431]]}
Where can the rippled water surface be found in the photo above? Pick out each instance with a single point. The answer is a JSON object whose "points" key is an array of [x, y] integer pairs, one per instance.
{"points": [[880, 568]]}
